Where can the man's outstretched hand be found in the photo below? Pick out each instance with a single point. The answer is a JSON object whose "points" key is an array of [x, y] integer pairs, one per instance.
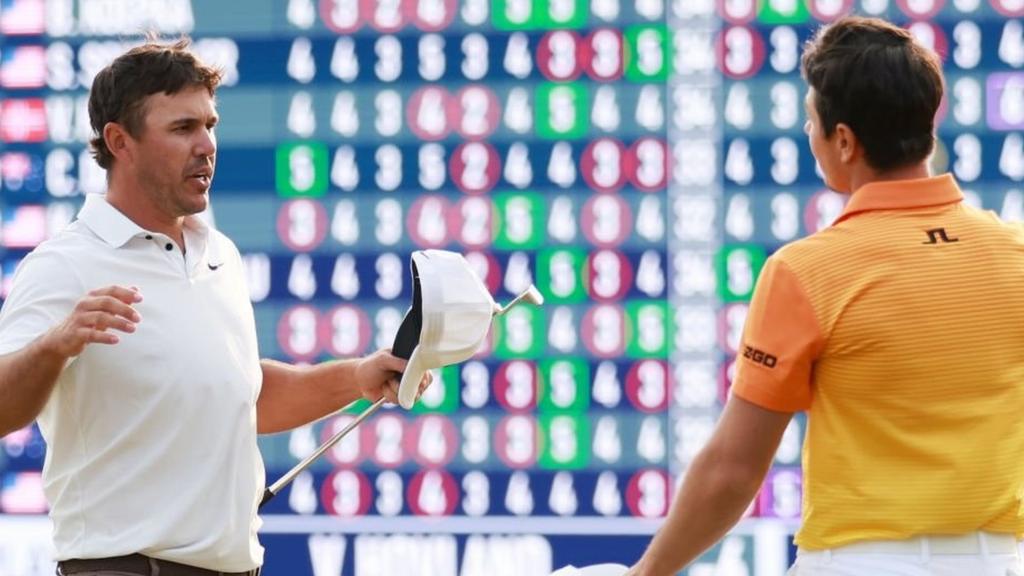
{"points": [[92, 320]]}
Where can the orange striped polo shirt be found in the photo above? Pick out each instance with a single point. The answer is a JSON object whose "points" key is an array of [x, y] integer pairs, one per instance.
{"points": [[900, 329]]}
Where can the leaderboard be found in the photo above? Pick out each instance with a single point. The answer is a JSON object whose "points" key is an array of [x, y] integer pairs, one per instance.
{"points": [[637, 160]]}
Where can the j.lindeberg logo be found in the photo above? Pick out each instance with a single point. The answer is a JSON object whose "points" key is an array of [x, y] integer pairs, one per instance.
{"points": [[937, 235], [214, 266]]}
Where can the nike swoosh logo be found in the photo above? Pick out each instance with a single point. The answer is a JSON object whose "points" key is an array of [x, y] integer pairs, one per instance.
{"points": [[213, 266]]}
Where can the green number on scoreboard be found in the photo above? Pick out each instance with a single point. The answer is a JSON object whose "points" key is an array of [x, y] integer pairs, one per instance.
{"points": [[565, 442], [561, 275], [738, 267], [783, 12], [301, 169], [564, 386], [647, 53], [443, 395], [561, 14], [649, 329], [562, 111], [516, 15], [519, 333], [520, 221]]}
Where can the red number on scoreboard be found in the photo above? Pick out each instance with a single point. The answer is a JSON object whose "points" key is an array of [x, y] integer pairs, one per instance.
{"points": [[559, 54], [298, 332], [741, 52], [346, 493], [432, 493], [475, 167], [603, 54], [647, 494], [610, 275], [602, 165], [427, 221]]}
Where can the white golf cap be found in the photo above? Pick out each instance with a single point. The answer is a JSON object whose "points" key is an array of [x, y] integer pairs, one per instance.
{"points": [[448, 321]]}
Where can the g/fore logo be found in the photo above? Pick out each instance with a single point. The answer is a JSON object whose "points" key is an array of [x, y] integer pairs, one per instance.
{"points": [[760, 357]]}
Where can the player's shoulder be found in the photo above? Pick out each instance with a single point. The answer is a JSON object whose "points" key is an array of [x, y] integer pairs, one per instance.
{"points": [[824, 249], [70, 245], [991, 222], [59, 259]]}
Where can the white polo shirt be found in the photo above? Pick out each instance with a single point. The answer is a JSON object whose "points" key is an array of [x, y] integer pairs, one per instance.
{"points": [[151, 441]]}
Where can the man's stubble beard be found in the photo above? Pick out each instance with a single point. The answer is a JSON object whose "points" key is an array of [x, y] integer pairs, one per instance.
{"points": [[166, 197]]}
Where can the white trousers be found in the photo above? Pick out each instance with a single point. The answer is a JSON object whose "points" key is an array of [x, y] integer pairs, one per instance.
{"points": [[974, 554]]}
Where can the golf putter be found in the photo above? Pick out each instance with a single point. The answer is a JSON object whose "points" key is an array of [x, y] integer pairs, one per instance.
{"points": [[402, 348]]}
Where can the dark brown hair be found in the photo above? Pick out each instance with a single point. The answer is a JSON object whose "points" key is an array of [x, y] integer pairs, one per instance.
{"points": [[875, 78], [120, 90]]}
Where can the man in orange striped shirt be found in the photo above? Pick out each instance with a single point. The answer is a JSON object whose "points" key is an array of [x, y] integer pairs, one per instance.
{"points": [[899, 329]]}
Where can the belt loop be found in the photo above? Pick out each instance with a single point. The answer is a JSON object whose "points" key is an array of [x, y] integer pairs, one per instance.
{"points": [[926, 549], [983, 544], [154, 568], [827, 555]]}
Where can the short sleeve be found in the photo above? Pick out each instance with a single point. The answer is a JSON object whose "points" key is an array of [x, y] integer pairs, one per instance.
{"points": [[43, 293], [781, 340]]}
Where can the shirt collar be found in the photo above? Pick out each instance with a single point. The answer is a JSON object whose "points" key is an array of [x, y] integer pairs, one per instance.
{"points": [[116, 229], [903, 195], [108, 222]]}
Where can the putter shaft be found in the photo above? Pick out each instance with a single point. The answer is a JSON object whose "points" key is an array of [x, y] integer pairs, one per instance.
{"points": [[287, 478]]}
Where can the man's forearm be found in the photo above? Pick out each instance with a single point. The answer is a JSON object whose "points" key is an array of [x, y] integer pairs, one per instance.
{"points": [[711, 501], [295, 395], [720, 484], [27, 378]]}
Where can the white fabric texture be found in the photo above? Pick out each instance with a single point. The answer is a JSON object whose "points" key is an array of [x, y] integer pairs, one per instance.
{"points": [[151, 442], [929, 559]]}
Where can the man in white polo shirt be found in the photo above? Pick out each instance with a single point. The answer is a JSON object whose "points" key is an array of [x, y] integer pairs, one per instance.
{"points": [[130, 335]]}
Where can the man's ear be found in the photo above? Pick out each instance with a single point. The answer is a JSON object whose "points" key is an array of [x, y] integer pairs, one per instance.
{"points": [[118, 140], [847, 144]]}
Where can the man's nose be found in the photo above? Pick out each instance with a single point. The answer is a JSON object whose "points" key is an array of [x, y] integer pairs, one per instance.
{"points": [[206, 143]]}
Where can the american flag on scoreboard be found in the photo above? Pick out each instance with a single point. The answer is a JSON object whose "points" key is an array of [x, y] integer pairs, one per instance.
{"points": [[15, 168], [21, 172], [23, 226], [22, 493], [23, 120], [22, 17], [23, 67]]}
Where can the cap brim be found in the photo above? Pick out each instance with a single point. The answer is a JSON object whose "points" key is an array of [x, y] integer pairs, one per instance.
{"points": [[409, 387], [603, 570]]}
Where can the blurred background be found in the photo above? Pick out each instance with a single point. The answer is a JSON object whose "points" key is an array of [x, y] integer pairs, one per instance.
{"points": [[636, 159]]}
